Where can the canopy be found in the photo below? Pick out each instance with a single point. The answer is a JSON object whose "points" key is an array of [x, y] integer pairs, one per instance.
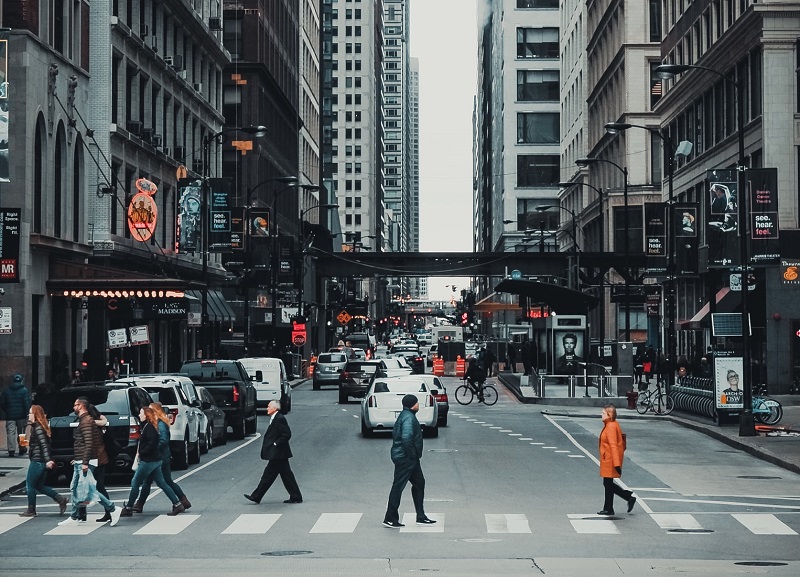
{"points": [[560, 299]]}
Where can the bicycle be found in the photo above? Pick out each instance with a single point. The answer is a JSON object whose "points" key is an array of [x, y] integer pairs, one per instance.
{"points": [[486, 394], [656, 400], [766, 410]]}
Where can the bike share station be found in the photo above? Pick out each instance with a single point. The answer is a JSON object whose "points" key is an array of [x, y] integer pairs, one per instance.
{"points": [[567, 366]]}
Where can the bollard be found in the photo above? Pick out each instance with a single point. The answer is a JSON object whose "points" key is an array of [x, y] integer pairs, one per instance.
{"points": [[633, 396]]}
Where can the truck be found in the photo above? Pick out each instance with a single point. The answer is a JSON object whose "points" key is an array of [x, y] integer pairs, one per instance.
{"points": [[446, 333], [232, 389]]}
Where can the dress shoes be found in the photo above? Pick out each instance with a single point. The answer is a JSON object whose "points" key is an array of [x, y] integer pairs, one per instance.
{"points": [[253, 499], [631, 503], [293, 501], [605, 512]]}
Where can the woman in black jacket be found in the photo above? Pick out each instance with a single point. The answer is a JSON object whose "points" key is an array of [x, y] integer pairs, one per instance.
{"points": [[37, 435]]}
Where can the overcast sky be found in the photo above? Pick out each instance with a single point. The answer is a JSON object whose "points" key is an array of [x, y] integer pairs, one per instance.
{"points": [[443, 38]]}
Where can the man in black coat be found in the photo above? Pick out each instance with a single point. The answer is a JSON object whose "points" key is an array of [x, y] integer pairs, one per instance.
{"points": [[275, 449]]}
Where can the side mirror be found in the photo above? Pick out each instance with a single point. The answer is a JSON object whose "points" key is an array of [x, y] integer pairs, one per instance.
{"points": [[205, 405]]}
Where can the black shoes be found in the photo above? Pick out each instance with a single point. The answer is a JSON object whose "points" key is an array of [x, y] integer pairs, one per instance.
{"points": [[631, 503], [605, 512], [425, 521], [291, 500], [104, 518], [253, 499], [393, 524]]}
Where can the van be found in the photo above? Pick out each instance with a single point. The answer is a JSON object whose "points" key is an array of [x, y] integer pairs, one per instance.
{"points": [[362, 341], [270, 379]]}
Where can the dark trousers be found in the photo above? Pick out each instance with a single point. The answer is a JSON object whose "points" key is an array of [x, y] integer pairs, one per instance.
{"points": [[611, 489], [274, 468], [405, 471]]}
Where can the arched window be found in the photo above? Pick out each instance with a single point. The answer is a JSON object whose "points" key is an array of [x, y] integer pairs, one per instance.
{"points": [[77, 187], [38, 175], [59, 173]]}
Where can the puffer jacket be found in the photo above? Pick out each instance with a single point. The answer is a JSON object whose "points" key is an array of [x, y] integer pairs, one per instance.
{"points": [[39, 447], [16, 402], [84, 438], [406, 437]]}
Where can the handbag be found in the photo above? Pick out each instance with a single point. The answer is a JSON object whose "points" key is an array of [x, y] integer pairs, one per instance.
{"points": [[624, 441], [135, 464]]}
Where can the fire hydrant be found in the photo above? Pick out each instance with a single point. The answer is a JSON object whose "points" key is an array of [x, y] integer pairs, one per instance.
{"points": [[633, 396]]}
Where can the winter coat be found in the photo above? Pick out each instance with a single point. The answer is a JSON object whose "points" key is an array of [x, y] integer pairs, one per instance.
{"points": [[39, 443], [406, 437], [163, 441], [16, 402], [148, 444], [85, 440], [611, 450]]}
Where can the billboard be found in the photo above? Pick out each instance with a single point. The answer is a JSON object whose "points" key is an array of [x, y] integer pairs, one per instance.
{"points": [[9, 244], [4, 100], [722, 222], [762, 185], [189, 223], [728, 375], [684, 223]]}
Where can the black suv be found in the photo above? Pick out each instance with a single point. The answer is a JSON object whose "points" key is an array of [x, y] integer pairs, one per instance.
{"points": [[355, 378], [120, 403]]}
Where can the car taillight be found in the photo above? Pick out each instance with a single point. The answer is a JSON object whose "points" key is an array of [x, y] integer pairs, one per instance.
{"points": [[173, 415], [344, 375], [418, 359], [372, 402], [133, 433], [441, 397], [430, 401], [235, 394], [369, 354]]}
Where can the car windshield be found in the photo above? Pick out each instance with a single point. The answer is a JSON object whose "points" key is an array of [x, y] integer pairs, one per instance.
{"points": [[209, 370], [107, 401], [399, 387], [331, 358], [163, 395], [361, 367]]}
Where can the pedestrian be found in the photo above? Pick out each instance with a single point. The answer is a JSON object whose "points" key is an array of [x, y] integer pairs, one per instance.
{"points": [[37, 435], [275, 449], [489, 360], [612, 453], [511, 356], [77, 378], [150, 463], [166, 468], [648, 360], [85, 461], [15, 402], [98, 441], [406, 454], [527, 354]]}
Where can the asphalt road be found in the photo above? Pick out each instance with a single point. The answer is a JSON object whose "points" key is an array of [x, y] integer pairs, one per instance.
{"points": [[515, 492]]}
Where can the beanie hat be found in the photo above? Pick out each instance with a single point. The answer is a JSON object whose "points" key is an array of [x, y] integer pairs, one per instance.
{"points": [[17, 378], [409, 401]]}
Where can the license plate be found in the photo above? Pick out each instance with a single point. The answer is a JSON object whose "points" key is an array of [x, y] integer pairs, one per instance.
{"points": [[771, 403]]}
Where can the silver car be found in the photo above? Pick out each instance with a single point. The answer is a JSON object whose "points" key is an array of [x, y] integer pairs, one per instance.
{"points": [[327, 369]]}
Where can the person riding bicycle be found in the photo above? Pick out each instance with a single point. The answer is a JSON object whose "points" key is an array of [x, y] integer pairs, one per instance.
{"points": [[475, 376]]}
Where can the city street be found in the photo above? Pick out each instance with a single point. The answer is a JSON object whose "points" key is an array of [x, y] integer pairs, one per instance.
{"points": [[514, 491]]}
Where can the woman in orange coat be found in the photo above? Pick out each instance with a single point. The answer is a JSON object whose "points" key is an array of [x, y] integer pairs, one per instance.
{"points": [[612, 452]]}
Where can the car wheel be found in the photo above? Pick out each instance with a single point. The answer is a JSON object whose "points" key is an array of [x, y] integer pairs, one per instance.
{"points": [[442, 422], [223, 438], [194, 452], [251, 426], [432, 432], [181, 460], [342, 397], [315, 386], [286, 404], [239, 429], [208, 440], [365, 430]]}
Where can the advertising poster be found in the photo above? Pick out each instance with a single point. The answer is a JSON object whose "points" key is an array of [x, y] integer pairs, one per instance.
{"points": [[655, 232], [722, 224], [762, 185], [220, 227], [4, 174], [568, 352], [684, 220], [143, 211], [9, 244], [188, 228], [238, 224], [728, 376]]}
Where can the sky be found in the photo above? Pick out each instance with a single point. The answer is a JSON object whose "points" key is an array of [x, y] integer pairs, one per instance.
{"points": [[443, 37]]}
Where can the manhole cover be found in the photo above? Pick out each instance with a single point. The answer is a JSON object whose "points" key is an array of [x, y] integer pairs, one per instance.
{"points": [[760, 477], [761, 563], [285, 553], [690, 531]]}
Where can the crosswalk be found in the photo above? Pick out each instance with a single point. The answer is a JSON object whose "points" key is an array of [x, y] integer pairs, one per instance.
{"points": [[344, 522]]}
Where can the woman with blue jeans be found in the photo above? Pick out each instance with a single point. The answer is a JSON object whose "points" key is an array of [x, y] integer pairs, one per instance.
{"points": [[38, 438], [150, 464]]}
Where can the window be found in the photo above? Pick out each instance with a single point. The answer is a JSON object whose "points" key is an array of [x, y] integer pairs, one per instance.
{"points": [[528, 218], [537, 170], [655, 20], [656, 85], [537, 86], [537, 3], [537, 42], [348, 202], [358, 202], [628, 230], [538, 128]]}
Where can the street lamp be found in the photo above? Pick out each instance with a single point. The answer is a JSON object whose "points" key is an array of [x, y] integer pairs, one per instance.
{"points": [[303, 251], [576, 284], [248, 252], [624, 171], [747, 427], [256, 131]]}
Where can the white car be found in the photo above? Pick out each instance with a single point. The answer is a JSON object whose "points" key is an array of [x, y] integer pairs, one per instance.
{"points": [[384, 401], [394, 367], [271, 381]]}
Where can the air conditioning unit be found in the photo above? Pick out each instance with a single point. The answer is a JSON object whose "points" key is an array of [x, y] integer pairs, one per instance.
{"points": [[147, 134], [180, 153], [175, 61], [156, 140], [144, 31], [198, 86], [215, 23], [134, 127]]}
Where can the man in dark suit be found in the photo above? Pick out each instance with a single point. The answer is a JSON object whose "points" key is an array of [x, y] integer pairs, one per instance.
{"points": [[275, 449]]}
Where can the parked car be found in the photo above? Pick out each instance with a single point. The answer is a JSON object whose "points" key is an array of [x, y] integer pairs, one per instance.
{"points": [[355, 378], [119, 402], [361, 354], [394, 367], [271, 381], [214, 416], [327, 369], [433, 351], [384, 401], [439, 392], [410, 352], [187, 419]]}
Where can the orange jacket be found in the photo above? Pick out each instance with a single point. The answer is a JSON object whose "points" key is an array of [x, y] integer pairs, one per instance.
{"points": [[611, 450]]}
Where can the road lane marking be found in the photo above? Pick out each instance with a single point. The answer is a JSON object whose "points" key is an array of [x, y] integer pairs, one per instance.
{"points": [[252, 524], [592, 525], [336, 523], [525, 439], [507, 523], [166, 525], [79, 529], [515, 434], [676, 521], [764, 524], [8, 522], [717, 502], [506, 431], [411, 527]]}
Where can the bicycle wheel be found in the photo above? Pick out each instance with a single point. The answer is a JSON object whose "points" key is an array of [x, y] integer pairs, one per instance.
{"points": [[663, 404], [489, 395], [464, 395], [643, 402], [774, 408]]}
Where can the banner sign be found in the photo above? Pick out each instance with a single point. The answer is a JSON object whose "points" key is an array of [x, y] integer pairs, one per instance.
{"points": [[9, 244], [763, 188], [259, 222], [790, 272], [728, 377], [143, 211], [684, 221], [189, 225], [722, 226], [4, 112], [238, 224], [655, 237], [220, 227]]}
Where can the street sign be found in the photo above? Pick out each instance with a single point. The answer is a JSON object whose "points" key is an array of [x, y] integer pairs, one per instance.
{"points": [[343, 317], [117, 338], [298, 339], [139, 335], [5, 320]]}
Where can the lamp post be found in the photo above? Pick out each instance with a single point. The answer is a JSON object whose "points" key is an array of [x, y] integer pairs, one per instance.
{"points": [[613, 128], [248, 253], [574, 237], [256, 131], [303, 253], [624, 171], [747, 426]]}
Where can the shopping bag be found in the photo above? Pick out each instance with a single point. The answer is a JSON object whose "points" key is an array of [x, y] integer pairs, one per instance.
{"points": [[135, 464], [86, 491]]}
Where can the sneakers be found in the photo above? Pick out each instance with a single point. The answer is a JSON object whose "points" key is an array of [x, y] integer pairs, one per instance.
{"points": [[605, 512], [631, 503], [177, 509], [393, 524], [62, 504], [425, 521], [116, 513], [71, 521]]}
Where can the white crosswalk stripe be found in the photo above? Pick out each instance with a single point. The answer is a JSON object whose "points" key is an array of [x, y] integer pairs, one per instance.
{"points": [[336, 523], [507, 523], [764, 524], [676, 521], [251, 524], [78, 529], [409, 520], [592, 524], [166, 525], [8, 522]]}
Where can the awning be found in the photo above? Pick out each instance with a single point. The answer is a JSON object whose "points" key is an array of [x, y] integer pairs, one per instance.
{"points": [[560, 299], [726, 302], [492, 303], [218, 308]]}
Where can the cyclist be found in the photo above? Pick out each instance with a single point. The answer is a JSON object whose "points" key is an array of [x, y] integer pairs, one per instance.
{"points": [[475, 376]]}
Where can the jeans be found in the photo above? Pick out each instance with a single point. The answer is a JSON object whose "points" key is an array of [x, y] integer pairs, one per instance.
{"points": [[405, 471], [34, 482], [13, 429], [146, 469], [166, 472], [77, 470]]}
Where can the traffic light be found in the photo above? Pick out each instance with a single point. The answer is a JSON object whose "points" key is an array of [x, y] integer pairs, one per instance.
{"points": [[464, 318]]}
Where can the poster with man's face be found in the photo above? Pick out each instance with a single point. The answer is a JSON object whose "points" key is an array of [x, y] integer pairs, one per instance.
{"points": [[568, 352], [728, 376]]}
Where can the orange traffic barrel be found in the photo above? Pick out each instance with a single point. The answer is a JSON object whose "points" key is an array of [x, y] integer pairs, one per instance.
{"points": [[461, 366], [438, 366]]}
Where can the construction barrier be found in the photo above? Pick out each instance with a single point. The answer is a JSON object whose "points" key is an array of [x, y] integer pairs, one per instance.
{"points": [[311, 364], [438, 366], [461, 366]]}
